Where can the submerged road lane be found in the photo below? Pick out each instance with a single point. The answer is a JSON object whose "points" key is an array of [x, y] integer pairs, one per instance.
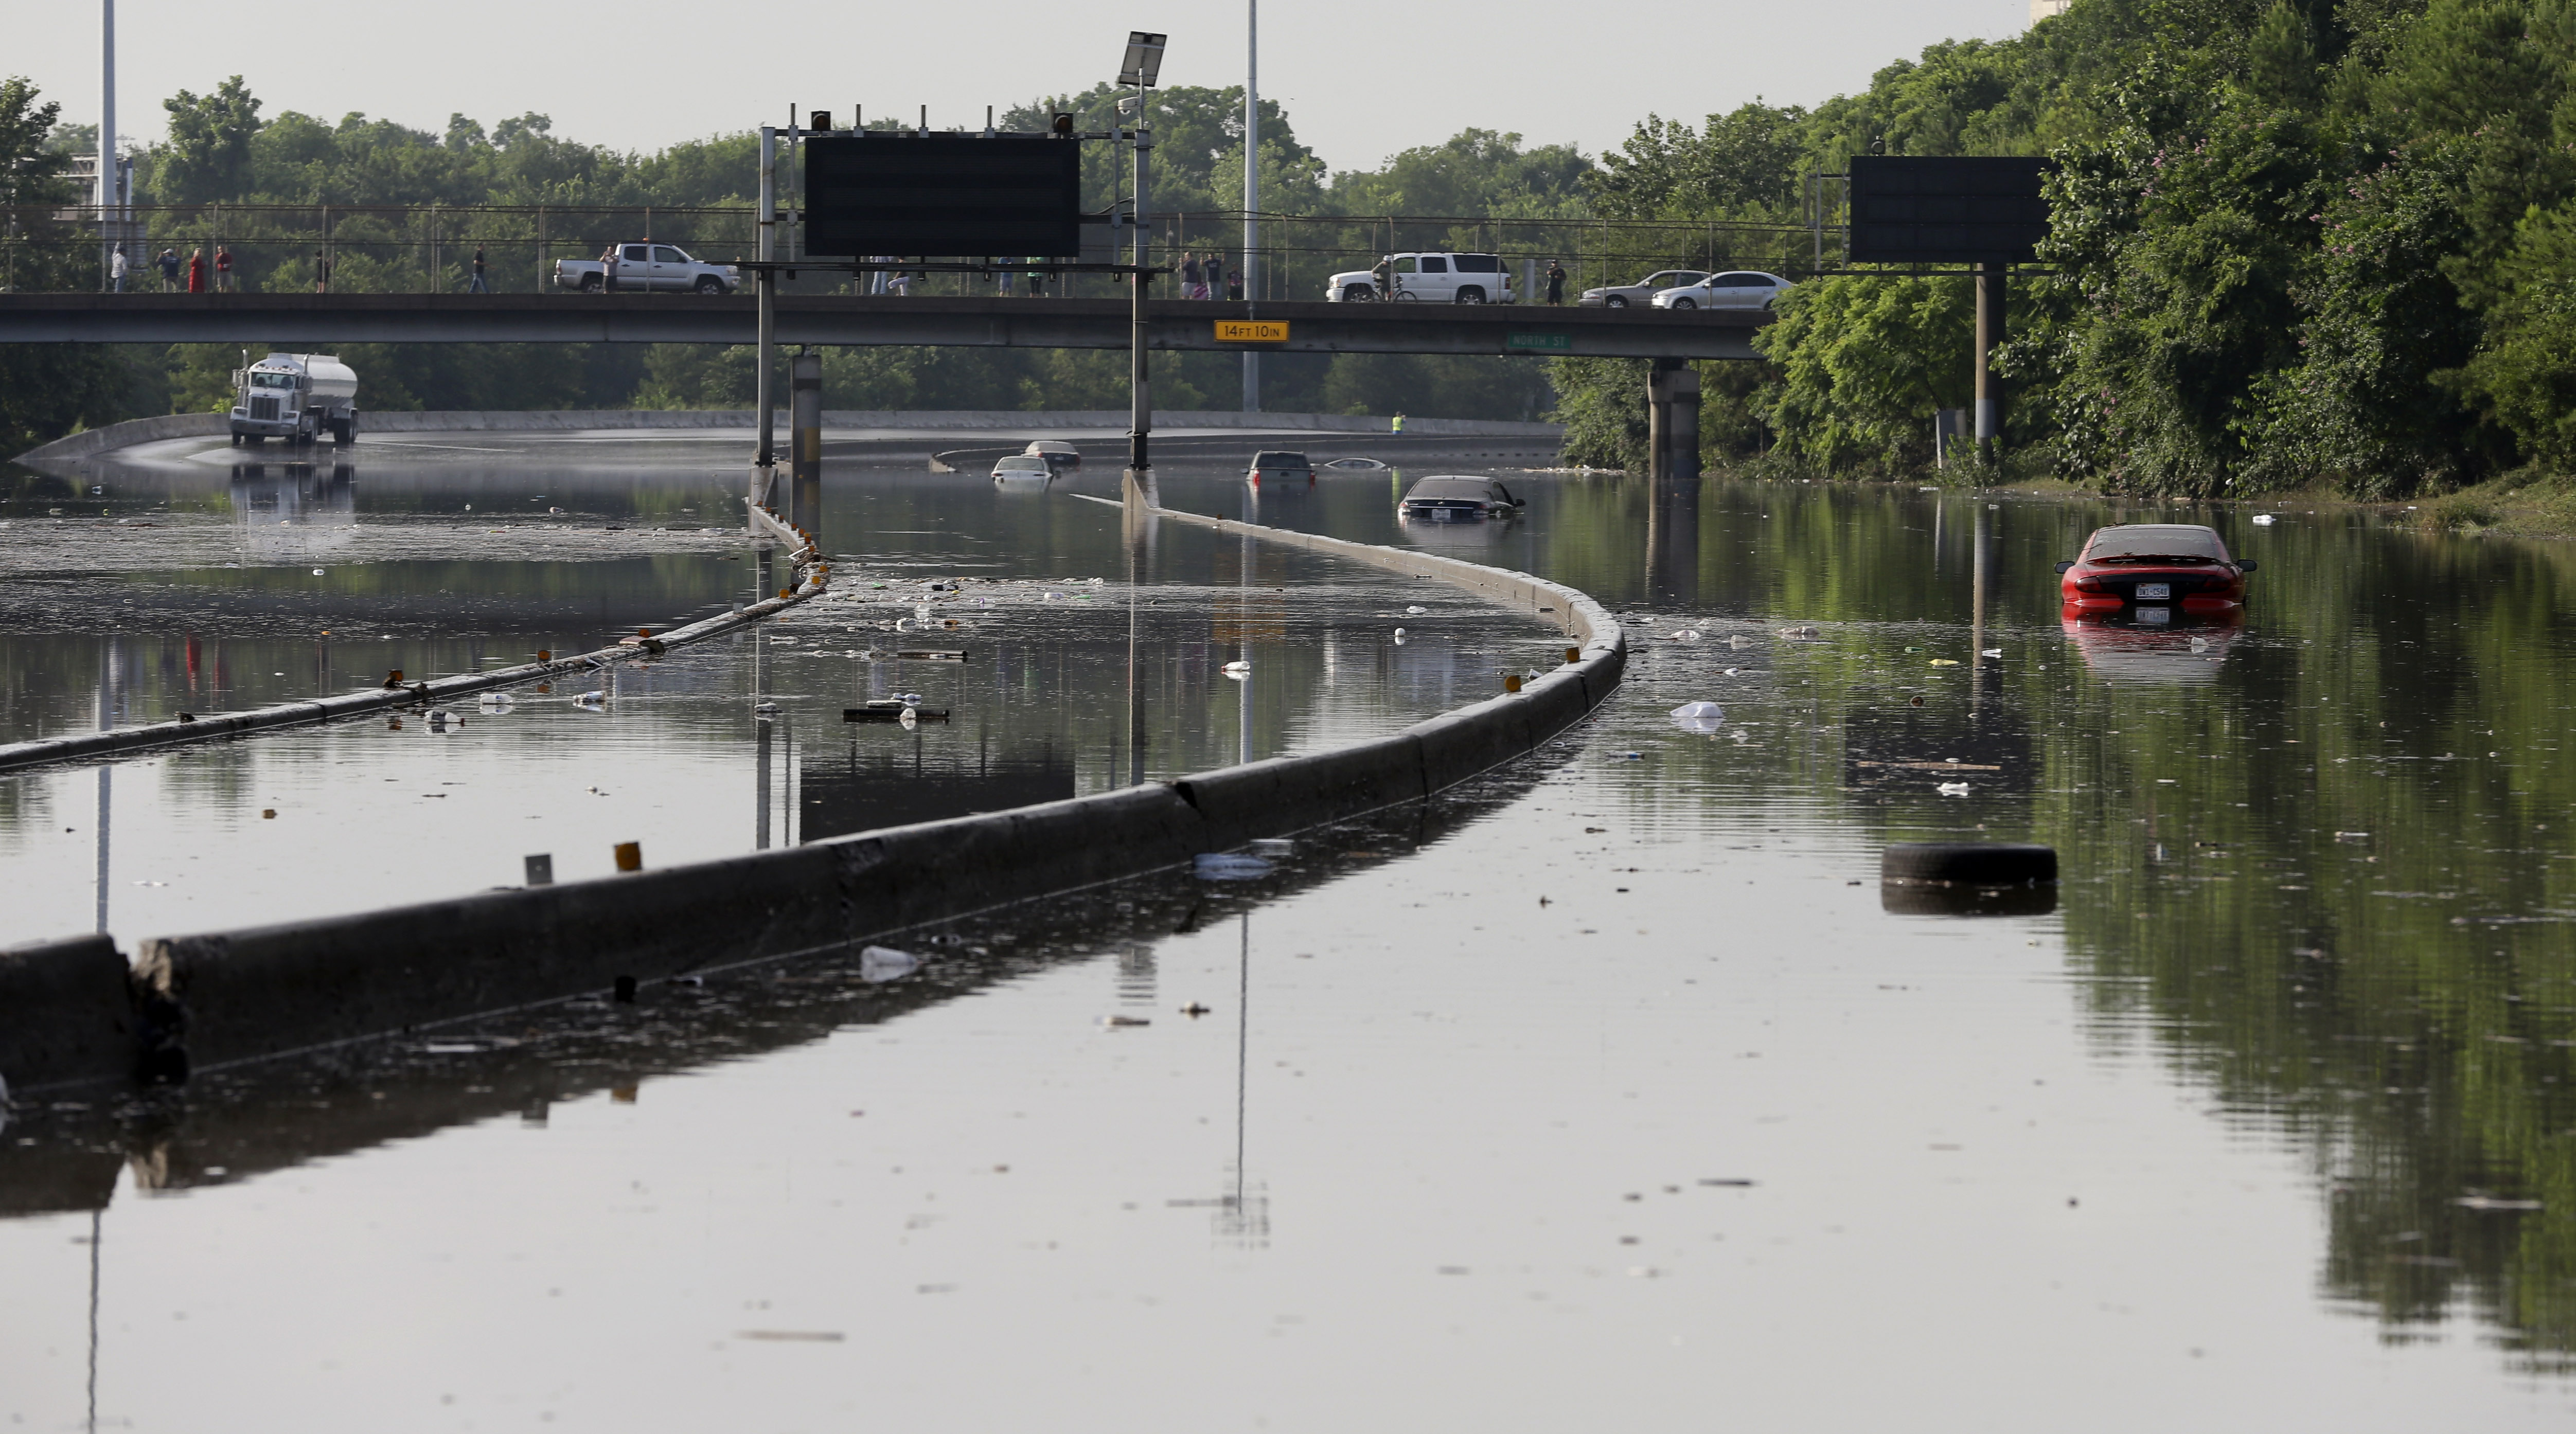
{"points": [[1616, 1094]]}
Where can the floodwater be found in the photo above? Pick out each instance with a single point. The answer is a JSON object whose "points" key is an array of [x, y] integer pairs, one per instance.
{"points": [[1612, 1091]]}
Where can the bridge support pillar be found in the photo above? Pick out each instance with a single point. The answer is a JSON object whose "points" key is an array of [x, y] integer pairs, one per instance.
{"points": [[1672, 420]]}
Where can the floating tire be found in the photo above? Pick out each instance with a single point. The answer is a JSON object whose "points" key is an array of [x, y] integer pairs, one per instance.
{"points": [[1967, 863]]}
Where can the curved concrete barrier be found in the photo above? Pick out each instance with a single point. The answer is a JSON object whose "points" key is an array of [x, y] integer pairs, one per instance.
{"points": [[224, 997]]}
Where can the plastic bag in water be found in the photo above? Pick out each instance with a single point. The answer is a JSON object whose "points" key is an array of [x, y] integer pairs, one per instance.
{"points": [[1701, 717], [1229, 866], [878, 964]]}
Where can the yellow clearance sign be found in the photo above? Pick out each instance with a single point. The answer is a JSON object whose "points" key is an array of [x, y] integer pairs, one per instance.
{"points": [[1252, 331]]}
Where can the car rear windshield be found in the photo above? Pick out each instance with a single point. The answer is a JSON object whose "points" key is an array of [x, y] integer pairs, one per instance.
{"points": [[2156, 540], [1279, 460], [1450, 488]]}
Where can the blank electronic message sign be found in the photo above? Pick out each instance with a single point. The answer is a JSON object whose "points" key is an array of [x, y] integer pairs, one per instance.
{"points": [[1011, 196], [1954, 210]]}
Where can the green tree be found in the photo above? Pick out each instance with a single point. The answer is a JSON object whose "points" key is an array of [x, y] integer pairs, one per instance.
{"points": [[209, 152]]}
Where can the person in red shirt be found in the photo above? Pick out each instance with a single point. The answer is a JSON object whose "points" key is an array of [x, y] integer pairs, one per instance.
{"points": [[196, 271]]}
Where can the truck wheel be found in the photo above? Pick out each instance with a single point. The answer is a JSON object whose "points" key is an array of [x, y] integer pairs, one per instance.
{"points": [[590, 283], [1471, 295], [1359, 294], [237, 440], [710, 284]]}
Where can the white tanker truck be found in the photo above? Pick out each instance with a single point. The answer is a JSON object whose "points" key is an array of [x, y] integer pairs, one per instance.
{"points": [[297, 397]]}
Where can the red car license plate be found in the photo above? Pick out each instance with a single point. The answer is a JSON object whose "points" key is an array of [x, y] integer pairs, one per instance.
{"points": [[2155, 592]]}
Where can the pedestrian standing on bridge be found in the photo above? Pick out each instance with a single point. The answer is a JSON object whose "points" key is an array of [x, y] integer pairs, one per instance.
{"points": [[1555, 282], [1214, 274], [478, 286], [1002, 280], [321, 272], [223, 270], [169, 270], [1190, 277], [608, 270], [1234, 282], [1399, 424], [196, 271], [116, 271]]}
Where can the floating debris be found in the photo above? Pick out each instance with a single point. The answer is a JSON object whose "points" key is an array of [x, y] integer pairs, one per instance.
{"points": [[1229, 866], [1703, 718], [880, 964]]}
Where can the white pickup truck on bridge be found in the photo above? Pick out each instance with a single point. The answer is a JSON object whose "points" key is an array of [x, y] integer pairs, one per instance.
{"points": [[648, 267]]}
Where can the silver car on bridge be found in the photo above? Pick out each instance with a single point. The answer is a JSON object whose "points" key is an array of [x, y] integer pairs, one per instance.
{"points": [[1642, 292]]}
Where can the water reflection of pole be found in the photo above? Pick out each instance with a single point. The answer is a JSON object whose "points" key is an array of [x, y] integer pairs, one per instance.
{"points": [[760, 744], [1977, 608], [106, 772], [95, 1229], [1242, 1048]]}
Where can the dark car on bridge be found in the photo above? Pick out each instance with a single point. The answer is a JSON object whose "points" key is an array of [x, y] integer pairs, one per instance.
{"points": [[2147, 567]]}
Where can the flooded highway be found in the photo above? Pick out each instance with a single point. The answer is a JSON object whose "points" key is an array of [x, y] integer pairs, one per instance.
{"points": [[1610, 1088]]}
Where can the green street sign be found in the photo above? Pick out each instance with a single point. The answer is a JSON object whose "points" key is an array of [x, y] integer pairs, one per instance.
{"points": [[1539, 343]]}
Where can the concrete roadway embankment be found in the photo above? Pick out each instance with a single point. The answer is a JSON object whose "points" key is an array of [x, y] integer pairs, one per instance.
{"points": [[1035, 422], [72, 1012]]}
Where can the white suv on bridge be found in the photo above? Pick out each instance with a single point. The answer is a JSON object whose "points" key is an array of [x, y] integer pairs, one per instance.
{"points": [[1440, 278]]}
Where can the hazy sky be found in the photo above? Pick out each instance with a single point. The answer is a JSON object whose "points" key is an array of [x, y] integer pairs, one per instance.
{"points": [[1360, 81]]}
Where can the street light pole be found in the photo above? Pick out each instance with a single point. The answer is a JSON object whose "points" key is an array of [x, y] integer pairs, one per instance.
{"points": [[764, 469], [109, 231], [1251, 190]]}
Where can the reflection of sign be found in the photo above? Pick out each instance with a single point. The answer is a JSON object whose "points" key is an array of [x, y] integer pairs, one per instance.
{"points": [[1540, 343], [1252, 331]]}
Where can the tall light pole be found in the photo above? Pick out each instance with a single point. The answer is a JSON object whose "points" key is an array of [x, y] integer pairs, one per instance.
{"points": [[107, 229], [1251, 188]]}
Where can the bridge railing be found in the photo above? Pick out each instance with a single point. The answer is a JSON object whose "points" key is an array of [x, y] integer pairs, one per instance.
{"points": [[411, 248]]}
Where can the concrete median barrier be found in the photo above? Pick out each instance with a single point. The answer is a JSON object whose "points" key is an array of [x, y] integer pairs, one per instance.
{"points": [[68, 1012]]}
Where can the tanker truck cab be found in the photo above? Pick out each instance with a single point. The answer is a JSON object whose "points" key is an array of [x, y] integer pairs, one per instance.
{"points": [[297, 397]]}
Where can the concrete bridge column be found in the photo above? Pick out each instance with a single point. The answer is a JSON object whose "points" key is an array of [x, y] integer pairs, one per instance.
{"points": [[1672, 420]]}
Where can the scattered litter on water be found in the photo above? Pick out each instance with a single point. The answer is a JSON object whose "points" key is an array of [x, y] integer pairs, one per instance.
{"points": [[2200, 644], [1945, 662], [1415, 611], [2352, 836], [593, 699], [1238, 670], [1952, 789], [879, 964], [1798, 634], [2263, 519], [1229, 866], [1273, 846], [1992, 652], [2490, 1202], [1116, 1022], [1688, 634], [1739, 641], [495, 703]]}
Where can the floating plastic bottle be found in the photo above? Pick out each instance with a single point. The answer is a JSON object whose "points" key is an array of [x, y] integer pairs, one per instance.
{"points": [[880, 964]]}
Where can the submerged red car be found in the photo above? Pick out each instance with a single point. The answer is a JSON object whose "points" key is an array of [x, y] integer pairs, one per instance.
{"points": [[2154, 565]]}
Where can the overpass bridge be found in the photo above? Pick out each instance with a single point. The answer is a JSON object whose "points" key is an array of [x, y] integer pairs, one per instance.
{"points": [[319, 321]]}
